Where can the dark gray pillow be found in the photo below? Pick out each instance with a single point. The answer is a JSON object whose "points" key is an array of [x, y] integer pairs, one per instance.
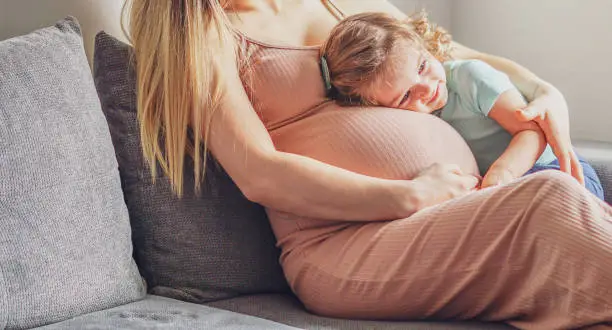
{"points": [[604, 171], [199, 248], [65, 246]]}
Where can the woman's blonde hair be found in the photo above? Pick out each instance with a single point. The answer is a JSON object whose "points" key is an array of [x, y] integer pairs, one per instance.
{"points": [[179, 47], [362, 47]]}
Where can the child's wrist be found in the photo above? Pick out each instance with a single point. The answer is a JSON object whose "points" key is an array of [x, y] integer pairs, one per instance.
{"points": [[506, 169]]}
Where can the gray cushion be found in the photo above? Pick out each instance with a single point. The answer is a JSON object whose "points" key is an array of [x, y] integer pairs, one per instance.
{"points": [[65, 246], [198, 248], [156, 312], [599, 155], [288, 310], [604, 171]]}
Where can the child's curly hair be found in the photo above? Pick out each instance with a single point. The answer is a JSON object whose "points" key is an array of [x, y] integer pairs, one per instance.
{"points": [[361, 46], [436, 39]]}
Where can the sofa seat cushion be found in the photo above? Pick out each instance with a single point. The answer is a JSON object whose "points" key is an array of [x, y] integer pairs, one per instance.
{"points": [[155, 312], [288, 310]]}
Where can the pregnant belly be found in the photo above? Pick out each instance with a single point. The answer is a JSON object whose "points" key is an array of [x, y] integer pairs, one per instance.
{"points": [[379, 142]]}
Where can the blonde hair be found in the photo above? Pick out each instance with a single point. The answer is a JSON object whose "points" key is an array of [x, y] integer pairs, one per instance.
{"points": [[362, 47], [178, 50]]}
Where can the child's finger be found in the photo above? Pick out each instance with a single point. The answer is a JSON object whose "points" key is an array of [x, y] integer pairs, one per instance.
{"points": [[577, 171], [490, 181], [528, 113], [565, 163]]}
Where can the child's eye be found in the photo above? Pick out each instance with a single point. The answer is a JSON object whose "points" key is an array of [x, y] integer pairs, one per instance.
{"points": [[405, 98], [422, 67]]}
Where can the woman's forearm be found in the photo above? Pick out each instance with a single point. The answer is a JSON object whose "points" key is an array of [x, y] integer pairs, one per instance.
{"points": [[304, 186], [526, 81]]}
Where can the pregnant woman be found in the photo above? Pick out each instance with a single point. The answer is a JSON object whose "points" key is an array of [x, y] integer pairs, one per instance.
{"points": [[369, 225]]}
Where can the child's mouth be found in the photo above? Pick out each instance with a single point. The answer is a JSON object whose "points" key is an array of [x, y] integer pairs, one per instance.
{"points": [[435, 96]]}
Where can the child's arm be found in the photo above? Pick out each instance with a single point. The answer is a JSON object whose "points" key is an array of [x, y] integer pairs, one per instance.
{"points": [[528, 141]]}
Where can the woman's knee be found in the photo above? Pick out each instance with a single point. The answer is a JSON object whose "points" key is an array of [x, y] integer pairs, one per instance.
{"points": [[557, 201], [555, 183]]}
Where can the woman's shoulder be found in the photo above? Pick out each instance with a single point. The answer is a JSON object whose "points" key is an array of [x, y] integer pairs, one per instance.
{"points": [[351, 7]]}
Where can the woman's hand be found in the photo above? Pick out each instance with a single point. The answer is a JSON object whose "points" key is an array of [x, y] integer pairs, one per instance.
{"points": [[549, 110], [440, 183]]}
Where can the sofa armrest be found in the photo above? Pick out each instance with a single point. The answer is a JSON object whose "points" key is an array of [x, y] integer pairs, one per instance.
{"points": [[600, 156]]}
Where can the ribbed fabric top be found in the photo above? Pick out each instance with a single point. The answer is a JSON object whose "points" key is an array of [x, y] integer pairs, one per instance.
{"points": [[285, 87]]}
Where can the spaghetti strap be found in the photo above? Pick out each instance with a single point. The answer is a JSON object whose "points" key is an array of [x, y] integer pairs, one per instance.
{"points": [[334, 9]]}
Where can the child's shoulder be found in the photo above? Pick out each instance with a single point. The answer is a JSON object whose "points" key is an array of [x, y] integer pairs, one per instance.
{"points": [[468, 66], [474, 71]]}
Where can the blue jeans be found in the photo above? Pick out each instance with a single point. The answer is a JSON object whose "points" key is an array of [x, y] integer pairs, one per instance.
{"points": [[591, 180]]}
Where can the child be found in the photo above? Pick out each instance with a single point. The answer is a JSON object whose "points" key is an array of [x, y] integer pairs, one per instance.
{"points": [[375, 59]]}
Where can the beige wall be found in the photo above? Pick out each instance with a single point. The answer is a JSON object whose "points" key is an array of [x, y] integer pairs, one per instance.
{"points": [[22, 16], [567, 42], [439, 10]]}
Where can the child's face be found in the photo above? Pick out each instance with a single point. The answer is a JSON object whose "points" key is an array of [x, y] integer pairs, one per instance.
{"points": [[417, 82]]}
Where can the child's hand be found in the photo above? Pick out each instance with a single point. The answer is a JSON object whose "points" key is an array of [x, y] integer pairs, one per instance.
{"points": [[497, 176], [549, 110]]}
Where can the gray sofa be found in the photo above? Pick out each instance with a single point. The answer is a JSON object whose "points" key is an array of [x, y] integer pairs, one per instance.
{"points": [[90, 241]]}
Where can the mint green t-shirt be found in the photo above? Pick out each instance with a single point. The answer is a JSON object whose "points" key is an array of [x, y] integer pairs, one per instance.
{"points": [[473, 88]]}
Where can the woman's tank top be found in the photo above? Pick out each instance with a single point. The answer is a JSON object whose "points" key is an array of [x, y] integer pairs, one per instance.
{"points": [[285, 87]]}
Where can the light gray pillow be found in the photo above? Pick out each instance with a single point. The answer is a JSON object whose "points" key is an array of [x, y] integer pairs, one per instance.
{"points": [[65, 245], [200, 248]]}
